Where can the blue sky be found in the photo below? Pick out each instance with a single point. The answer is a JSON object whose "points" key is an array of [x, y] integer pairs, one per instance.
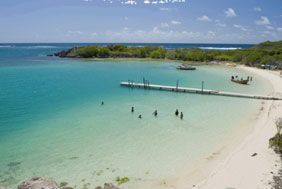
{"points": [[174, 21]]}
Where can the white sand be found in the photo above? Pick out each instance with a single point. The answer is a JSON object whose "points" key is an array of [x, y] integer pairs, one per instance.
{"points": [[240, 169], [233, 166]]}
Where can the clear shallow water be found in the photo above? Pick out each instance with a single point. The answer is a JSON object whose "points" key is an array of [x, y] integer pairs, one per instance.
{"points": [[52, 123]]}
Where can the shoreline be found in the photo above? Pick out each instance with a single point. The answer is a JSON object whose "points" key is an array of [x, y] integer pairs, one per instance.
{"points": [[237, 168], [231, 164], [194, 63]]}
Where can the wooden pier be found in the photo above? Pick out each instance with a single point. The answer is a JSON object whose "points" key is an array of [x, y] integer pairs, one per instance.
{"points": [[203, 91]]}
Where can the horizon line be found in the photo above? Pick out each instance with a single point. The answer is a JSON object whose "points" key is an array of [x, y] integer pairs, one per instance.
{"points": [[128, 43]]}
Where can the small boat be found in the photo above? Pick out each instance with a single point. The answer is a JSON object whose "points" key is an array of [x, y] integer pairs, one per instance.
{"points": [[240, 81], [244, 82], [186, 67]]}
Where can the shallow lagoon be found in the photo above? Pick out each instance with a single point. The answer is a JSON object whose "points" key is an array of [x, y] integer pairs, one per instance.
{"points": [[52, 122]]}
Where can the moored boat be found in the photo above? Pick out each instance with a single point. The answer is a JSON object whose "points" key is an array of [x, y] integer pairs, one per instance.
{"points": [[240, 81], [244, 82], [186, 67]]}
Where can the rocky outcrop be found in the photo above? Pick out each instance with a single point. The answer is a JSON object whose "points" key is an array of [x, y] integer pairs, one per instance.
{"points": [[39, 183], [63, 54], [107, 186], [47, 183]]}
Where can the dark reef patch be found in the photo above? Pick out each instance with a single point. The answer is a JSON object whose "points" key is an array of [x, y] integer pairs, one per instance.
{"points": [[14, 163]]}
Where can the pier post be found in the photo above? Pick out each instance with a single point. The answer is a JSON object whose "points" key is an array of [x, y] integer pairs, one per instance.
{"points": [[202, 86], [177, 83]]}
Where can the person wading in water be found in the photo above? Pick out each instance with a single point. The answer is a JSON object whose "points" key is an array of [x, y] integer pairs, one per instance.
{"points": [[181, 115], [155, 113], [176, 112]]}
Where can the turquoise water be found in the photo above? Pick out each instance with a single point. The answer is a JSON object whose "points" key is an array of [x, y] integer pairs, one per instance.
{"points": [[52, 122]]}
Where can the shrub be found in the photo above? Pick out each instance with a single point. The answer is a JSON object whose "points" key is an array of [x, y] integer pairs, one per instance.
{"points": [[276, 141], [122, 180]]}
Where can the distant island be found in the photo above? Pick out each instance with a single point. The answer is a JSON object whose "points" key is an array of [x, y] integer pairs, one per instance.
{"points": [[266, 53]]}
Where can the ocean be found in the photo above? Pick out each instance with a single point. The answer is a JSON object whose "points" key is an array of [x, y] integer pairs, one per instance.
{"points": [[52, 122]]}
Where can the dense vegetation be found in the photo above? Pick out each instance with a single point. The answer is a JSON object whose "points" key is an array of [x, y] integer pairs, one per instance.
{"points": [[276, 141], [263, 53]]}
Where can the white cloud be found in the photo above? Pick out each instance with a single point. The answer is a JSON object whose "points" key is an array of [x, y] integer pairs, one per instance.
{"points": [[129, 2], [269, 27], [257, 9], [230, 13], [211, 34], [164, 25], [165, 9], [125, 18], [106, 1], [73, 33], [240, 27], [279, 29], [219, 24], [268, 34], [263, 21], [157, 34], [204, 18], [174, 22], [154, 2], [93, 35], [147, 2], [80, 35]]}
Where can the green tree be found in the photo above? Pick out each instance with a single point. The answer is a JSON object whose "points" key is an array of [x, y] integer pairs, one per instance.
{"points": [[103, 52]]}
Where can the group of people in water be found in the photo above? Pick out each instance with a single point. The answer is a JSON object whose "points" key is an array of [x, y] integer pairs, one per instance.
{"points": [[155, 113], [177, 113]]}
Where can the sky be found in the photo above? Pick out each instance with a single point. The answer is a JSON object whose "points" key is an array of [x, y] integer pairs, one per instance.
{"points": [[147, 21]]}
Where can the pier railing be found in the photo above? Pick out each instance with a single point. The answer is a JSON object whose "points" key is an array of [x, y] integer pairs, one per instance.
{"points": [[147, 85]]}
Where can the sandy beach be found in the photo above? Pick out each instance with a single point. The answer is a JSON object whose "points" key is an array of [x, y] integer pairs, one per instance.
{"points": [[242, 161], [240, 169], [246, 161]]}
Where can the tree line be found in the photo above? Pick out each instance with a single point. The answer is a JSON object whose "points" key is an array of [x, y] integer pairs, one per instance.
{"points": [[263, 53]]}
